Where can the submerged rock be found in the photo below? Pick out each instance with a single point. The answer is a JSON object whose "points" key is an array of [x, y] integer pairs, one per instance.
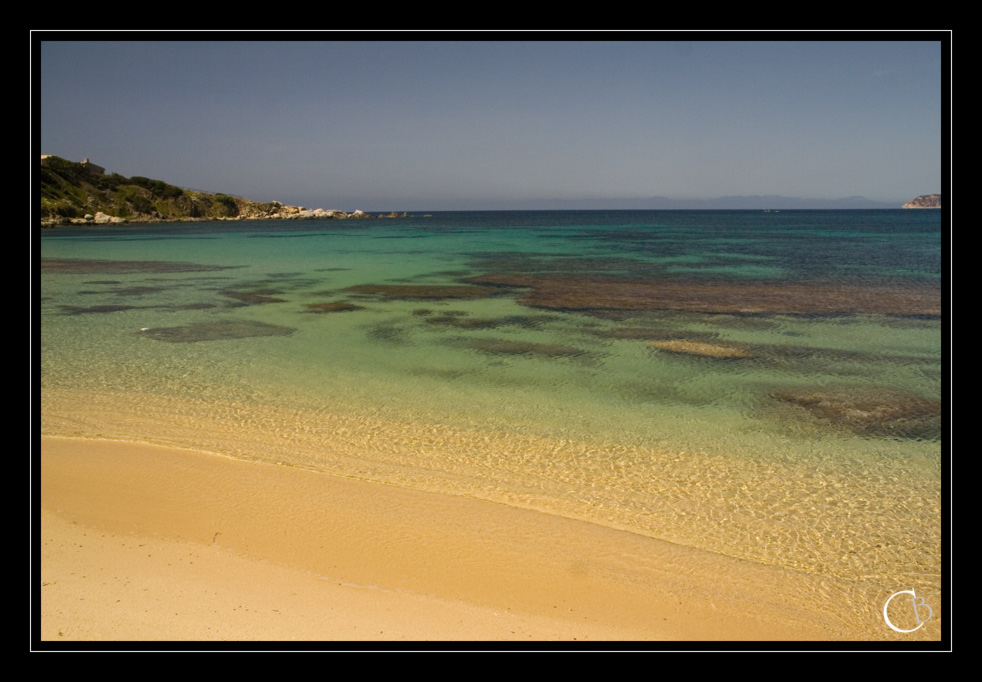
{"points": [[335, 307], [86, 310], [869, 411], [253, 297], [390, 334], [412, 292], [712, 350], [463, 322], [458, 319], [215, 331], [505, 347], [131, 291], [652, 334], [193, 306]]}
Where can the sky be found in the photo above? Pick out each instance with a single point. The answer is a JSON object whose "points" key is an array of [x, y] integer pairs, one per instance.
{"points": [[346, 124]]}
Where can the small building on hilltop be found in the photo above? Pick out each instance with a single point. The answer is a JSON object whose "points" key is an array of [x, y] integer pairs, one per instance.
{"points": [[88, 165], [92, 168]]}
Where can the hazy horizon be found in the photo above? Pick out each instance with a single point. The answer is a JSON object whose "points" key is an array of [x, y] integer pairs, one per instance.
{"points": [[478, 125]]}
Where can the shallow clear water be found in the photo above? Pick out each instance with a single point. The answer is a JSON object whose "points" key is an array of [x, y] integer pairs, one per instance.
{"points": [[804, 433]]}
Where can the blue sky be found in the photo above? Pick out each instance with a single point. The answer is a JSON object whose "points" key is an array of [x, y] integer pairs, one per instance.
{"points": [[416, 125]]}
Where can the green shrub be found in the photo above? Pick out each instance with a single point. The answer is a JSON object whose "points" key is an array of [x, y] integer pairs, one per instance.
{"points": [[227, 206], [141, 204], [69, 170], [106, 182], [157, 187]]}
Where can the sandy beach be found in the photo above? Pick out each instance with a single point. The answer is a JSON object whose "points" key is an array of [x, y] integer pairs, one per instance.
{"points": [[155, 544], [491, 366]]}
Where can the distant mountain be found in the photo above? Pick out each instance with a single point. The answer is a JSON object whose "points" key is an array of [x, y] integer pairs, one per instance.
{"points": [[755, 202]]}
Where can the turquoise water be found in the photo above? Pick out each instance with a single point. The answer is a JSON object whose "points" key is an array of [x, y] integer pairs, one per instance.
{"points": [[618, 384]]}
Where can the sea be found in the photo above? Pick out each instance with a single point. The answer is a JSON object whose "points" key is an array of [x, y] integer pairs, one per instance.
{"points": [[762, 385]]}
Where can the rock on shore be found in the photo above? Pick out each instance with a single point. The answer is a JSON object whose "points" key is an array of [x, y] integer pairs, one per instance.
{"points": [[247, 212]]}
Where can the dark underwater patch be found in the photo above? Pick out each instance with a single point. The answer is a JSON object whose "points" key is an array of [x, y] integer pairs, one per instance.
{"points": [[652, 334], [333, 307], [94, 309], [784, 357], [416, 292], [137, 291], [256, 297], [215, 331], [517, 263], [84, 266], [866, 411], [605, 293], [463, 322], [460, 320], [389, 334], [190, 306], [524, 348]]}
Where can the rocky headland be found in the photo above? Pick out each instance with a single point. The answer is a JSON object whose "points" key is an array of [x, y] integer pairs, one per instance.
{"points": [[82, 194], [924, 201]]}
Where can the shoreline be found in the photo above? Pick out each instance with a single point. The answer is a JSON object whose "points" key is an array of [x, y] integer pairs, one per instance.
{"points": [[485, 470], [151, 543]]}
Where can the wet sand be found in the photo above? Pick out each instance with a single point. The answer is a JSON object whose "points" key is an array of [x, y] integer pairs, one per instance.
{"points": [[149, 543]]}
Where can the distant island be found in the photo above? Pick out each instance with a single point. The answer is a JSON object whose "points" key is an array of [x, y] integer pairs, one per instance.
{"points": [[925, 201], [81, 193]]}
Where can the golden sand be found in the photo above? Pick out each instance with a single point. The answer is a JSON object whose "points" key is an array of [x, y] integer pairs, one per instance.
{"points": [[355, 528], [149, 543]]}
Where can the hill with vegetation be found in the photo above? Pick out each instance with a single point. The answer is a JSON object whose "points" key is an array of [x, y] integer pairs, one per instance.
{"points": [[71, 194]]}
